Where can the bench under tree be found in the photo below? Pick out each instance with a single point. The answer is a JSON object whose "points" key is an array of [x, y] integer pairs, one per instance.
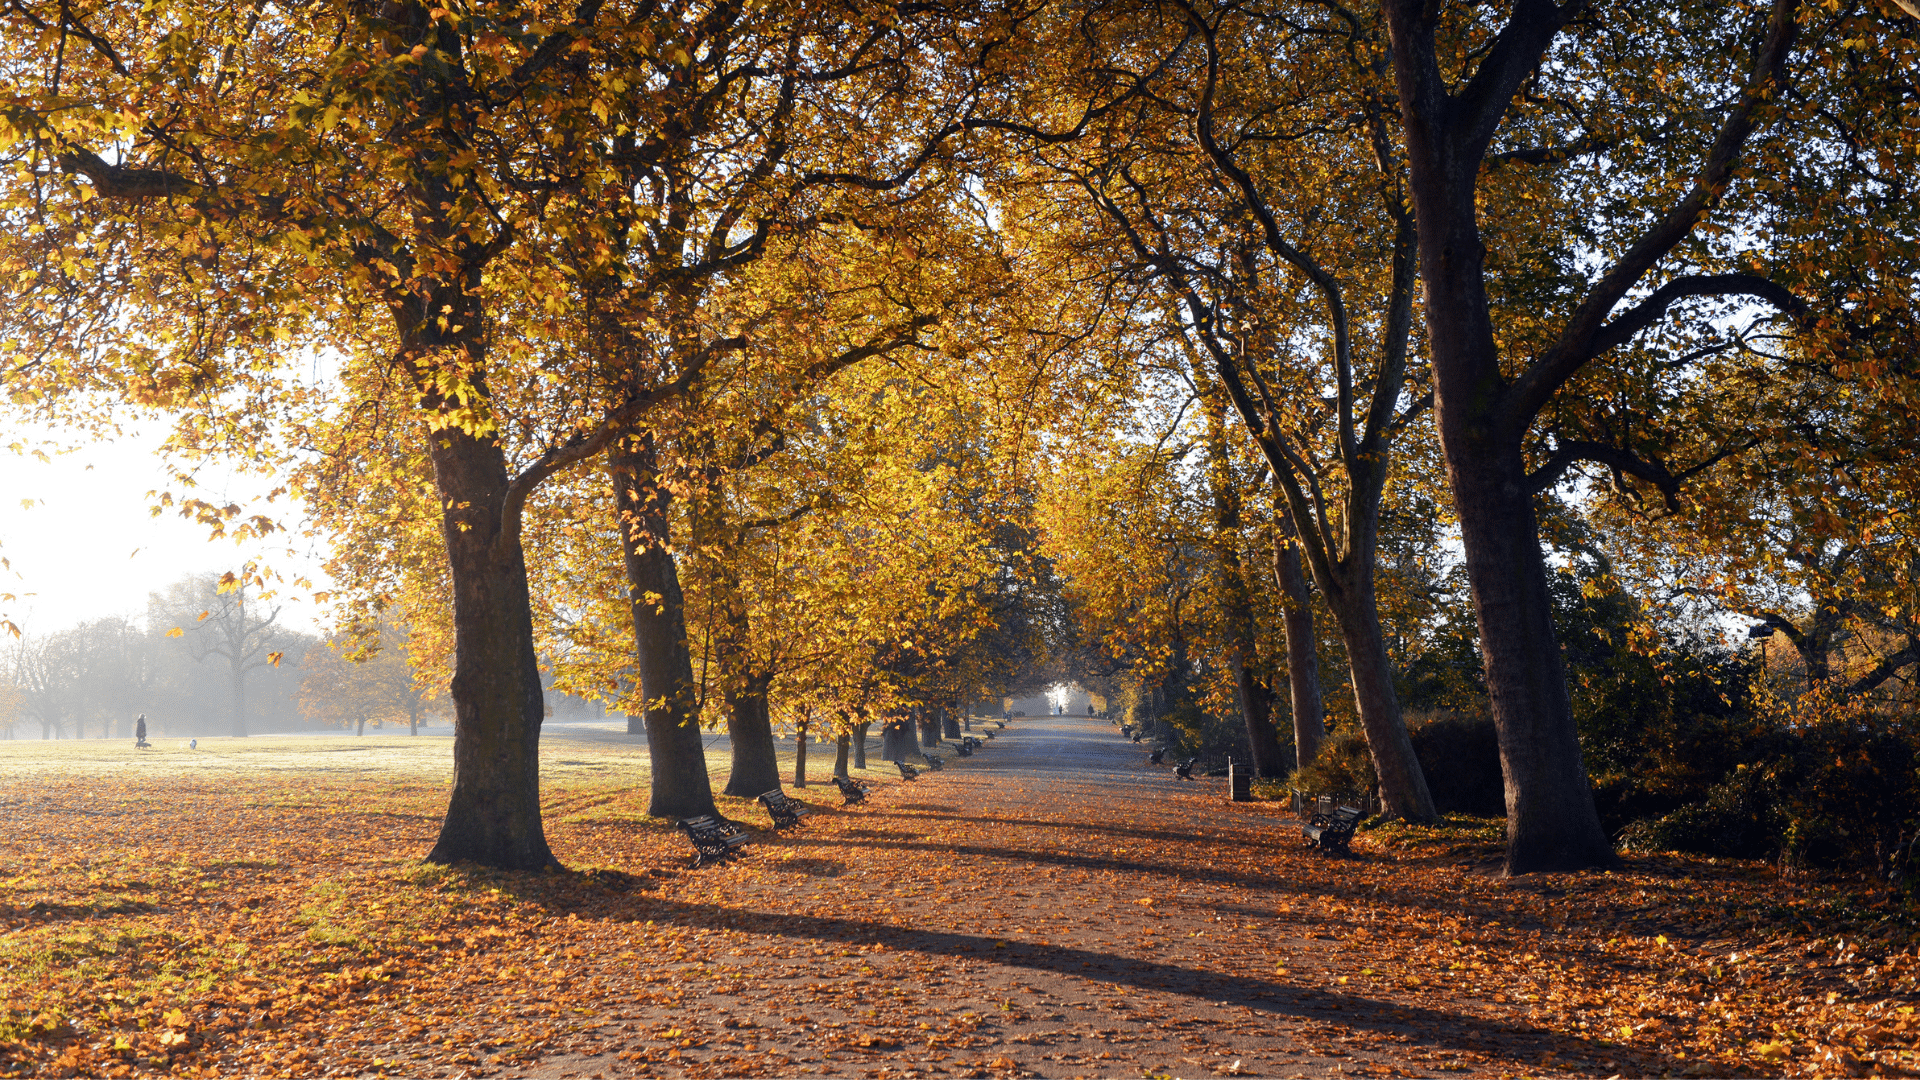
{"points": [[907, 772], [786, 812], [1332, 832], [714, 838]]}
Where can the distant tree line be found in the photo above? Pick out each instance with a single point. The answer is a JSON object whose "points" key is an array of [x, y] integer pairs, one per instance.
{"points": [[210, 658]]}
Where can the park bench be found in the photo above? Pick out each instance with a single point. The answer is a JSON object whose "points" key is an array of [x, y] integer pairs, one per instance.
{"points": [[1159, 755], [854, 791], [961, 749], [934, 762], [785, 812], [1332, 832], [1184, 770], [714, 838], [907, 772]]}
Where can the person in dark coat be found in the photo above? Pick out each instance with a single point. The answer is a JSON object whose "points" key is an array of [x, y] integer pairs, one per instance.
{"points": [[140, 731]]}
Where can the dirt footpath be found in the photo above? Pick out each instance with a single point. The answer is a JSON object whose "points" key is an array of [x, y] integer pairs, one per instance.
{"points": [[1056, 906]]}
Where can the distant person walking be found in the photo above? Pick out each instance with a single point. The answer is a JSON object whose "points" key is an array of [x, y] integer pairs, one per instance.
{"points": [[140, 731]]}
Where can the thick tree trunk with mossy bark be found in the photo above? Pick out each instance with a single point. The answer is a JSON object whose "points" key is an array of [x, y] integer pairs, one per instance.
{"points": [[675, 751]]}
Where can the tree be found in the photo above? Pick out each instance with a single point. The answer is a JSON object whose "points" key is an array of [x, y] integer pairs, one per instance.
{"points": [[1271, 218], [406, 179], [212, 615], [1485, 397], [357, 679]]}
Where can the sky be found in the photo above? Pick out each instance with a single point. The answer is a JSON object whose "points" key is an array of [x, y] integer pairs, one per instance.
{"points": [[88, 546]]}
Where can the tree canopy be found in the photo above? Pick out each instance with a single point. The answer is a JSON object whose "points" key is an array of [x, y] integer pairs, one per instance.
{"points": [[816, 363]]}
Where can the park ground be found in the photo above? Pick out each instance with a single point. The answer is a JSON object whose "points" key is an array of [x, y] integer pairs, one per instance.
{"points": [[1053, 906]]}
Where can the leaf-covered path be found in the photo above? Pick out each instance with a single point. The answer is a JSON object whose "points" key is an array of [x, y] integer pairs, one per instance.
{"points": [[1053, 906], [1058, 906]]}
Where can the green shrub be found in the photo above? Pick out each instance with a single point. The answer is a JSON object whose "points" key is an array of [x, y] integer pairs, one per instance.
{"points": [[1459, 753], [1738, 817], [1343, 767], [1201, 734], [1825, 787]]}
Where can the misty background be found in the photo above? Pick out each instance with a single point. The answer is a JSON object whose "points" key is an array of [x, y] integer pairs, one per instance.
{"points": [[209, 658]]}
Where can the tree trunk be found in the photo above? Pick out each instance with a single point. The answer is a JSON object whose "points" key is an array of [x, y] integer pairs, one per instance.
{"points": [[1236, 598], [930, 727], [671, 720], [756, 766], [1256, 711], [840, 748], [413, 717], [860, 743], [239, 697], [493, 814], [800, 754], [896, 739], [1551, 820], [1403, 783], [755, 769], [360, 727], [949, 724], [1303, 657]]}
